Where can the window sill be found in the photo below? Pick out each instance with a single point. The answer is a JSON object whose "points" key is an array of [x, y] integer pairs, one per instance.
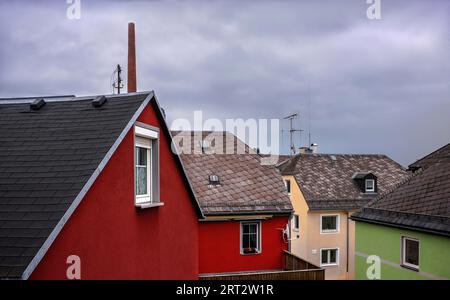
{"points": [[145, 205], [415, 269], [247, 254], [330, 232], [329, 265]]}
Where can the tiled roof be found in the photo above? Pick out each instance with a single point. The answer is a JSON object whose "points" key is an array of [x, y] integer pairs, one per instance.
{"points": [[246, 186], [421, 202], [326, 180]]}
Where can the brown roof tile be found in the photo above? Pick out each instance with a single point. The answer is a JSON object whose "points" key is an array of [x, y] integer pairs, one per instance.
{"points": [[326, 179], [246, 186]]}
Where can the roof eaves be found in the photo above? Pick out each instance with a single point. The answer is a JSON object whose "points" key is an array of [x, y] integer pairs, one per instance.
{"points": [[360, 216], [51, 238]]}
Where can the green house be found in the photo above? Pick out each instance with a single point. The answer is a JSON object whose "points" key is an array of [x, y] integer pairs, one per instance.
{"points": [[405, 233]]}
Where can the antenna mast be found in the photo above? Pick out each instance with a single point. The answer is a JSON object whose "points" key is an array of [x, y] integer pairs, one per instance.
{"points": [[118, 82], [292, 131]]}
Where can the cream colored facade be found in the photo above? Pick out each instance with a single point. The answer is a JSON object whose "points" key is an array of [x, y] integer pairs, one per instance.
{"points": [[308, 241]]}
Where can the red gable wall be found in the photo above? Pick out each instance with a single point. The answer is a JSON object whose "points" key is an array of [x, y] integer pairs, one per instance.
{"points": [[220, 247], [114, 240]]}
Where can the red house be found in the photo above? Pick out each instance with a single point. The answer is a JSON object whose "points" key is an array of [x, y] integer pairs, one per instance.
{"points": [[90, 189], [245, 204]]}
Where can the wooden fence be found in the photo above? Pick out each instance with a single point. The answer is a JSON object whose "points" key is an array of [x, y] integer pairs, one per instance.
{"points": [[294, 268]]}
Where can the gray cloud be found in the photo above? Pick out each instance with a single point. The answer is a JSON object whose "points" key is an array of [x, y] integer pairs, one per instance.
{"points": [[376, 86]]}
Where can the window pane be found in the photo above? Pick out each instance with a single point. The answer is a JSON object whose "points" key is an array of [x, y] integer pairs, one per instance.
{"points": [[245, 228], [141, 180], [324, 256], [245, 241], [141, 156], [288, 185], [333, 255], [329, 222], [412, 252], [296, 222], [253, 241], [252, 228]]}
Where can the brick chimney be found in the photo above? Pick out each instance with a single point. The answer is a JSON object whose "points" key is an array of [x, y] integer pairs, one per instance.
{"points": [[132, 86]]}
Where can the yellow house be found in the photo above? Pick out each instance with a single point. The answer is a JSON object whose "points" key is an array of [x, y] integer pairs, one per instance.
{"points": [[325, 190]]}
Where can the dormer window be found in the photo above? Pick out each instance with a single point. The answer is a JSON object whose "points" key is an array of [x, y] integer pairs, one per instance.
{"points": [[366, 181], [370, 185], [214, 180]]}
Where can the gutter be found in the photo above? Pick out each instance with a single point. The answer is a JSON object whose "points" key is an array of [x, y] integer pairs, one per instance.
{"points": [[412, 228]]}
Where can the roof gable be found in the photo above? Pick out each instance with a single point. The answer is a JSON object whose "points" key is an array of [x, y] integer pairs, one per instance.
{"points": [[49, 159]]}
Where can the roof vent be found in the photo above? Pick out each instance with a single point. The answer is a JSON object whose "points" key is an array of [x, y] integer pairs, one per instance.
{"points": [[214, 179], [98, 101], [37, 104]]}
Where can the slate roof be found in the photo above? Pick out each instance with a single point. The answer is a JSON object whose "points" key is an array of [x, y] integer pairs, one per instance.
{"points": [[421, 202], [246, 186], [327, 183], [46, 157], [48, 160]]}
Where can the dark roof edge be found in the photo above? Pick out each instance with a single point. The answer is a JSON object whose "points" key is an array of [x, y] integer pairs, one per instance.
{"points": [[51, 238], [416, 163], [360, 218], [178, 159], [251, 213]]}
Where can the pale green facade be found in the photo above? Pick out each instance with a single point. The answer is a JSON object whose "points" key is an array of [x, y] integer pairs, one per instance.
{"points": [[385, 242]]}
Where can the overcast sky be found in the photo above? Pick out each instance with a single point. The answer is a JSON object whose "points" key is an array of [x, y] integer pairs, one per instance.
{"points": [[376, 86]]}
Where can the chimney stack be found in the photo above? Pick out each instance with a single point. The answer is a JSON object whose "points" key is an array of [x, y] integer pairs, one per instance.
{"points": [[132, 86]]}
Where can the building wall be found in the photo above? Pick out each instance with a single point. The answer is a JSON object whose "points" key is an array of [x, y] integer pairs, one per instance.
{"points": [[307, 242], [115, 240], [385, 242], [220, 247]]}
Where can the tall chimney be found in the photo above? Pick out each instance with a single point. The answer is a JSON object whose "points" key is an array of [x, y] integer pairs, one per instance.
{"points": [[132, 86]]}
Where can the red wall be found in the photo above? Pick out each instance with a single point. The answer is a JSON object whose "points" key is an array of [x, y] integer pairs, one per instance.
{"points": [[114, 240], [220, 247]]}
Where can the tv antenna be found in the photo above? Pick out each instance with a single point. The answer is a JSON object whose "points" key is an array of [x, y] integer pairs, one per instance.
{"points": [[292, 130], [118, 82]]}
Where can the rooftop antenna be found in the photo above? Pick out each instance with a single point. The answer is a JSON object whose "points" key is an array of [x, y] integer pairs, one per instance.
{"points": [[292, 130], [118, 82]]}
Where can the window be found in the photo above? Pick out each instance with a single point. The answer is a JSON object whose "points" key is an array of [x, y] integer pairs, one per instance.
{"points": [[329, 223], [370, 185], [410, 253], [287, 184], [143, 173], [329, 257], [250, 238], [146, 166], [296, 223]]}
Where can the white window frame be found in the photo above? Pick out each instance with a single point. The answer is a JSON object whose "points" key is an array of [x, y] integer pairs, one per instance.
{"points": [[146, 136], [147, 198], [403, 256], [338, 224], [372, 190], [330, 264], [259, 237], [296, 228]]}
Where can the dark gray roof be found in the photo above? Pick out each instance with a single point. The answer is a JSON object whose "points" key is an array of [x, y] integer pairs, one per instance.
{"points": [[421, 202], [46, 158], [327, 183], [246, 186]]}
